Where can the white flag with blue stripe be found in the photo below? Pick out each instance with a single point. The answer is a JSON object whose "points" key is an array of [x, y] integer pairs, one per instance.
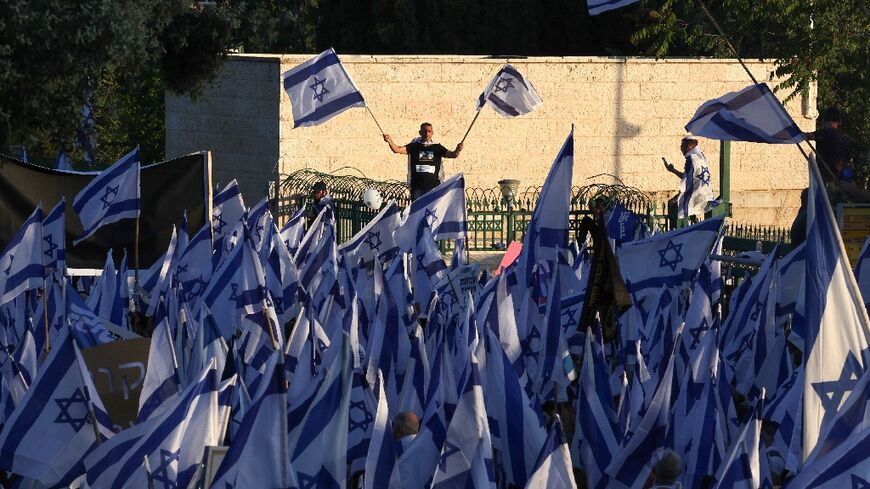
{"points": [[54, 238], [52, 427], [320, 89], [862, 272], [598, 6], [442, 208], [753, 114], [173, 442], [21, 262], [509, 93], [547, 233], [228, 207], [742, 466], [375, 239], [553, 469], [111, 196], [666, 259], [836, 343], [258, 455]]}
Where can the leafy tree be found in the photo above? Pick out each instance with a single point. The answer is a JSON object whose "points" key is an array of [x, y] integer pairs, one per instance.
{"points": [[54, 52], [827, 41]]}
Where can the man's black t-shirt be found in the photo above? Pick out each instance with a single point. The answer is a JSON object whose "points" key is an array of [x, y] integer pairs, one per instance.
{"points": [[425, 165]]}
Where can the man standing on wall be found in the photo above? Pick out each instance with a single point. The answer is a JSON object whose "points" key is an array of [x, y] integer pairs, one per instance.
{"points": [[424, 160], [696, 191]]}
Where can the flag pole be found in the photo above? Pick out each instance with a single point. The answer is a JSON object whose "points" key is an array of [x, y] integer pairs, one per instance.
{"points": [[755, 81], [375, 119], [136, 254], [470, 126], [44, 290]]}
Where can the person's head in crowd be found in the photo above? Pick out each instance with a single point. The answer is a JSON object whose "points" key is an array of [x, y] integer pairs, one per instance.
{"points": [[777, 466], [318, 191], [667, 469], [687, 144], [405, 424], [832, 117], [426, 132]]}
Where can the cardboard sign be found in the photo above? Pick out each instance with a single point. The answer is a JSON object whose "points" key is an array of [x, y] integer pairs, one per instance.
{"points": [[118, 371]]}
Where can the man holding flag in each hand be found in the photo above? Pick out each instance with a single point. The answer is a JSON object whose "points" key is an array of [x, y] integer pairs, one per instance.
{"points": [[424, 160]]}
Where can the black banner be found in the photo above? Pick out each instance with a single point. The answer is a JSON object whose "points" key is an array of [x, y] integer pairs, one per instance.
{"points": [[167, 190]]}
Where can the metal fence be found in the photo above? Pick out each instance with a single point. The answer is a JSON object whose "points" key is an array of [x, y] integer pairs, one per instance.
{"points": [[495, 220]]}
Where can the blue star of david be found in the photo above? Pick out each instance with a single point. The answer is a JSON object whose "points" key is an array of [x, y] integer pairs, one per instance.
{"points": [[366, 419], [234, 294], [258, 232], [449, 449], [832, 392], [427, 214], [756, 311], [66, 403], [569, 314], [321, 480], [373, 239], [526, 344], [704, 176], [745, 344], [503, 84], [696, 332], [421, 264], [49, 242], [859, 483], [109, 196], [218, 223], [318, 94], [198, 285], [161, 473], [677, 258]]}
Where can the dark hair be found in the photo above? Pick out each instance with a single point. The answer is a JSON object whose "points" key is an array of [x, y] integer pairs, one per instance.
{"points": [[832, 114], [424, 125], [319, 185]]}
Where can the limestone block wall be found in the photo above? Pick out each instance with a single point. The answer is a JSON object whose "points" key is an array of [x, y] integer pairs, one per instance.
{"points": [[627, 114]]}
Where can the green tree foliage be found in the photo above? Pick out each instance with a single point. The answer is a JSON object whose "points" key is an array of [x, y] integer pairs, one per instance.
{"points": [[122, 52], [827, 41]]}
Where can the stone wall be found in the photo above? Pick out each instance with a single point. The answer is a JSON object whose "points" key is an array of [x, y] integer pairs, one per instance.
{"points": [[627, 114]]}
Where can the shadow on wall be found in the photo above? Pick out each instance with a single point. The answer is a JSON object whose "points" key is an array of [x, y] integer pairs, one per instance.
{"points": [[622, 129]]}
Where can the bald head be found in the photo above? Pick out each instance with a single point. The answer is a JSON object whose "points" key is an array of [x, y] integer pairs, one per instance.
{"points": [[404, 424]]}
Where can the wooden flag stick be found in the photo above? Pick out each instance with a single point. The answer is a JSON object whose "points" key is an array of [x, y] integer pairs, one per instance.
{"points": [[375, 119], [470, 126]]}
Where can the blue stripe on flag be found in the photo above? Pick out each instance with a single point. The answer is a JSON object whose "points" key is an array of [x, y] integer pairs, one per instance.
{"points": [[331, 107], [96, 185], [295, 78]]}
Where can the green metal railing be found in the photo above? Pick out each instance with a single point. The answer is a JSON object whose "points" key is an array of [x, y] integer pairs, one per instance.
{"points": [[494, 220]]}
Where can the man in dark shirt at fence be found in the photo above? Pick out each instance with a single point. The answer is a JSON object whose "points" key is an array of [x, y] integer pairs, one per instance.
{"points": [[424, 160]]}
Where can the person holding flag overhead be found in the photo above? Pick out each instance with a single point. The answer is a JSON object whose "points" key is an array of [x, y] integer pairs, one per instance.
{"points": [[424, 160]]}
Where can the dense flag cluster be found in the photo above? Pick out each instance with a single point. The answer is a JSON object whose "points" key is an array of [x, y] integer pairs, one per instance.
{"points": [[374, 363]]}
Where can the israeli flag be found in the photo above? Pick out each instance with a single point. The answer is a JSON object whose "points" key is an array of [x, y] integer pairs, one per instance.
{"points": [[862, 272], [111, 196], [87, 328], [753, 114], [293, 231], [53, 426], [227, 209], [846, 466], [836, 343], [320, 89], [666, 259], [375, 239], [21, 262], [168, 448], [54, 239], [509, 93], [381, 456], [442, 208], [598, 6], [258, 455], [742, 466], [553, 469], [547, 233], [162, 384]]}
